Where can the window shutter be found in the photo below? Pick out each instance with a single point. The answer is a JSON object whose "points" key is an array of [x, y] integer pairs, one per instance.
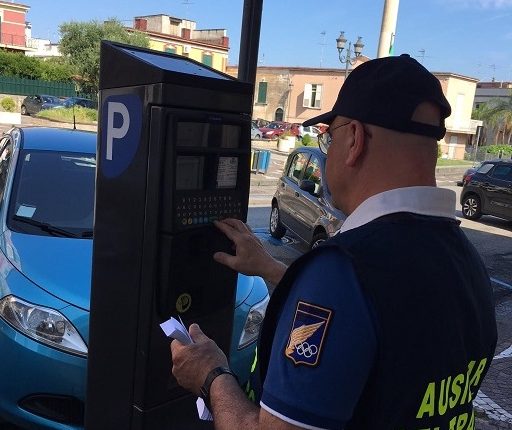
{"points": [[262, 92], [318, 96], [307, 96], [207, 59]]}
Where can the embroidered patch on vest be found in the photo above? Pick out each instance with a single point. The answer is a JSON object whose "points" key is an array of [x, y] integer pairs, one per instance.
{"points": [[307, 334]]}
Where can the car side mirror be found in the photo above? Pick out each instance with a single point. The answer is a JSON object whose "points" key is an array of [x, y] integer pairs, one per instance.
{"points": [[308, 186]]}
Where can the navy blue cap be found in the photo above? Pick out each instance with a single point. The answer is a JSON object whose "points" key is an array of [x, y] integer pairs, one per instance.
{"points": [[385, 92]]}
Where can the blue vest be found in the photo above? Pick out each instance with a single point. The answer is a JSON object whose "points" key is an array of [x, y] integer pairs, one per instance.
{"points": [[435, 323]]}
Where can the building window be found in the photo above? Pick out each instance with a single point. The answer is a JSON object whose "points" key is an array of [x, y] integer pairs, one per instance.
{"points": [[278, 115], [312, 96], [207, 59], [262, 92], [171, 49]]}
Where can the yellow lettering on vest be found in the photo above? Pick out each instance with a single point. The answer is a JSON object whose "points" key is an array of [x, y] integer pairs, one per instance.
{"points": [[461, 421], [443, 395], [428, 402], [466, 385], [456, 390], [453, 421], [475, 379], [471, 425]]}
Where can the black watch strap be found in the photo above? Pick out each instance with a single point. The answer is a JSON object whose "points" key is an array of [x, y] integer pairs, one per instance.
{"points": [[205, 389]]}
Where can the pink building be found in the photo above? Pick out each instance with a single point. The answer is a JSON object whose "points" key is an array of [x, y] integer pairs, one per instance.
{"points": [[12, 26]]}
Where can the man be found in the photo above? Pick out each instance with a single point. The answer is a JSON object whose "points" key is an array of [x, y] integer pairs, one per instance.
{"points": [[388, 325]]}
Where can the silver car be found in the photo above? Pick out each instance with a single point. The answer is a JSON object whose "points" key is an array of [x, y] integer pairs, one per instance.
{"points": [[302, 202]]}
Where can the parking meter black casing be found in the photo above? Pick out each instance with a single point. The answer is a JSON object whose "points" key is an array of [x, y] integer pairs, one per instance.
{"points": [[173, 155]]}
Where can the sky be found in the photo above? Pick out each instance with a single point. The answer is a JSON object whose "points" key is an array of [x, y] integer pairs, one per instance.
{"points": [[467, 37]]}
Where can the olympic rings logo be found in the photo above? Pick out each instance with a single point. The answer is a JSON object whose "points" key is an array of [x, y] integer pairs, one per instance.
{"points": [[306, 350]]}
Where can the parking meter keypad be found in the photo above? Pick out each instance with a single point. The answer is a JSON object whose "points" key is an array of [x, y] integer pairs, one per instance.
{"points": [[196, 210]]}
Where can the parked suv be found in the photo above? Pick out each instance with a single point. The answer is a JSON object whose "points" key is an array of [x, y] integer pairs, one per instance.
{"points": [[489, 191], [302, 202]]}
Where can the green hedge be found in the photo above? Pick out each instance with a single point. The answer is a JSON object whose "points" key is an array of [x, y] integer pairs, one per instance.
{"points": [[497, 149], [8, 104]]}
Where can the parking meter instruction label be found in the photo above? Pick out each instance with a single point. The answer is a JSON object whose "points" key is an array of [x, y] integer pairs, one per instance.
{"points": [[227, 172]]}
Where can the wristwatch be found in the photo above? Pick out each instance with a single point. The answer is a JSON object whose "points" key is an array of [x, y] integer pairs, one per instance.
{"points": [[205, 388]]}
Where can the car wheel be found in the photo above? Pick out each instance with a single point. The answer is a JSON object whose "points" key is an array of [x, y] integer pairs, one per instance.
{"points": [[277, 229], [318, 238], [24, 110], [471, 207], [258, 136]]}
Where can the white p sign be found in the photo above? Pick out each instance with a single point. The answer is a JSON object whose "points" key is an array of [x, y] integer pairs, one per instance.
{"points": [[112, 132]]}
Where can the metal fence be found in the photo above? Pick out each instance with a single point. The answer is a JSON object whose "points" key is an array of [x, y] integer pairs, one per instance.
{"points": [[481, 154], [28, 87]]}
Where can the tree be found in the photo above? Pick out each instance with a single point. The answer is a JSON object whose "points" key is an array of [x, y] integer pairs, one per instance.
{"points": [[80, 44], [501, 116], [497, 114]]}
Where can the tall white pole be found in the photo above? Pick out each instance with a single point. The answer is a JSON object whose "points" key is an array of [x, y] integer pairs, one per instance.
{"points": [[388, 28]]}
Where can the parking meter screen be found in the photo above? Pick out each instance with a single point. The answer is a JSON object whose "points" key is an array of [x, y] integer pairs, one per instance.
{"points": [[207, 134], [189, 172]]}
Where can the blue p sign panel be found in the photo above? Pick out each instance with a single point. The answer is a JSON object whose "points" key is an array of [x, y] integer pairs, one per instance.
{"points": [[120, 134]]}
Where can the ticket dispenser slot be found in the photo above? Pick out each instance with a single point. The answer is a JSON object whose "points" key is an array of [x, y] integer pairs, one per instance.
{"points": [[173, 156]]}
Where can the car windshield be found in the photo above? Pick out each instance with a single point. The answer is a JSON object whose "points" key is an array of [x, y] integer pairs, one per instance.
{"points": [[53, 193], [50, 99], [275, 125]]}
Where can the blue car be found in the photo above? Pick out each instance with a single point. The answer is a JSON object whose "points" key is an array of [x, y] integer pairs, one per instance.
{"points": [[46, 215]]}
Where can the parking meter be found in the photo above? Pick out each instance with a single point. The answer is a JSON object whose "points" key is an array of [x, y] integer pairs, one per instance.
{"points": [[173, 156]]}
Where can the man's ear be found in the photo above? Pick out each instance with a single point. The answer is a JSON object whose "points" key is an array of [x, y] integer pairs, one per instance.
{"points": [[357, 143]]}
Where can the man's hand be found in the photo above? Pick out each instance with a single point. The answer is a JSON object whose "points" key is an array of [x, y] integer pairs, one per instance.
{"points": [[192, 363], [251, 257]]}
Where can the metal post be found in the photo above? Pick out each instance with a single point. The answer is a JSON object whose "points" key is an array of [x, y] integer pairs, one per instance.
{"points": [[250, 40], [347, 61]]}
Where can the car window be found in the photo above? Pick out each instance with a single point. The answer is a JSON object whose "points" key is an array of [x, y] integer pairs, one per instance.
{"points": [[313, 172], [297, 166], [501, 171], [5, 158], [485, 168], [53, 187]]}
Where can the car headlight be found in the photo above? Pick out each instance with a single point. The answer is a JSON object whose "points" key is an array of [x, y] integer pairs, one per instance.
{"points": [[42, 324], [253, 323]]}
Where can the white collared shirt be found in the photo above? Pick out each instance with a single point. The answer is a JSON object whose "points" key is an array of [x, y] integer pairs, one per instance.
{"points": [[430, 201]]}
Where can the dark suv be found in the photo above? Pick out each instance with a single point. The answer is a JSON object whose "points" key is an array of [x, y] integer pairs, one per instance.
{"points": [[302, 202], [489, 191]]}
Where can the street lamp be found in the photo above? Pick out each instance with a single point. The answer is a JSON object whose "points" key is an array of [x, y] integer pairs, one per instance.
{"points": [[358, 49]]}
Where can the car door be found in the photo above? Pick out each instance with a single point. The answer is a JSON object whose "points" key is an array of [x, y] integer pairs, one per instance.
{"points": [[308, 207], [289, 191], [29, 104], [499, 191], [36, 104]]}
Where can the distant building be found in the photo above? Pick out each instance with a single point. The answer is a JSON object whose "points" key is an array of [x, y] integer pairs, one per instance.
{"points": [[180, 36], [460, 129], [294, 94], [13, 26], [43, 48], [486, 91]]}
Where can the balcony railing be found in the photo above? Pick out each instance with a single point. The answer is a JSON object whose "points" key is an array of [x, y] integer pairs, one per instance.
{"points": [[13, 40]]}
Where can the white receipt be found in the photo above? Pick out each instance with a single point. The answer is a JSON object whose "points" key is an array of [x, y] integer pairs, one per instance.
{"points": [[177, 330]]}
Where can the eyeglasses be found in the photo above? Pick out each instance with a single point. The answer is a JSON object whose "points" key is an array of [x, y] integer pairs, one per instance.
{"points": [[325, 138]]}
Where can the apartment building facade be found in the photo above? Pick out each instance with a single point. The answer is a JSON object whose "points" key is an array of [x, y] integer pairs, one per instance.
{"points": [[13, 26], [294, 94], [181, 36]]}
